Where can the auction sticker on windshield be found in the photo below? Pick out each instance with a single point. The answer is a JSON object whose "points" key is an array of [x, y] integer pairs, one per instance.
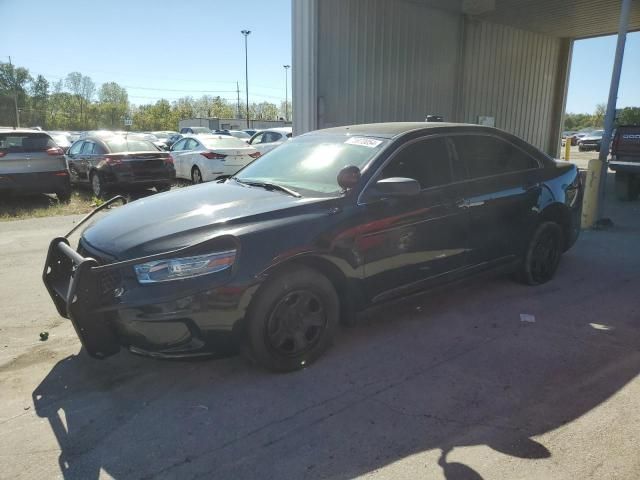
{"points": [[364, 141]]}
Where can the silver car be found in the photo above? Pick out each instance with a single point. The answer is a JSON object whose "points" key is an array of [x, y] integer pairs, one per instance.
{"points": [[31, 162]]}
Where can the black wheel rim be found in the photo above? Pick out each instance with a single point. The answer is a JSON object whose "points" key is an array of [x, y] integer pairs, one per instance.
{"points": [[296, 323], [544, 257]]}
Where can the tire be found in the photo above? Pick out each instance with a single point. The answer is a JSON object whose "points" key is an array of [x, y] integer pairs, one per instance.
{"points": [[64, 196], [163, 188], [196, 175], [97, 185], [542, 256], [625, 187], [292, 320]]}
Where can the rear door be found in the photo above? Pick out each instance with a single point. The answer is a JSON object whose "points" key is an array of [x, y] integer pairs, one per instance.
{"points": [[501, 192]]}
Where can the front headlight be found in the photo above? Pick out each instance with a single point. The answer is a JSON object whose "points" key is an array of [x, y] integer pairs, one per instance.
{"points": [[188, 267]]}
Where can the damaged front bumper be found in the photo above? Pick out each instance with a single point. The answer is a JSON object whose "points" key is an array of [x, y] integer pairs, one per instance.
{"points": [[73, 284], [109, 309]]}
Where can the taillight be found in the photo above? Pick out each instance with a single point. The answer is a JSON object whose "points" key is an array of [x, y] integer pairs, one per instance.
{"points": [[55, 151], [255, 155], [2, 154], [213, 155], [168, 159]]}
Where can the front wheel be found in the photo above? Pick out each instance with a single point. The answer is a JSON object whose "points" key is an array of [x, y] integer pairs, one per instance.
{"points": [[292, 320], [543, 255]]}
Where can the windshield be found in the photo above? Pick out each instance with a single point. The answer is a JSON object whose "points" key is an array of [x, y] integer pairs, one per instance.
{"points": [[25, 142], [122, 144], [310, 164], [597, 133]]}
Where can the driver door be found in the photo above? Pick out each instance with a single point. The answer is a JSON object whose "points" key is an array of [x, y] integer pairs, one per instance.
{"points": [[408, 242]]}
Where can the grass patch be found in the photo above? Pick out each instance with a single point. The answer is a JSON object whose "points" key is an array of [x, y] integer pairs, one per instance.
{"points": [[38, 206]]}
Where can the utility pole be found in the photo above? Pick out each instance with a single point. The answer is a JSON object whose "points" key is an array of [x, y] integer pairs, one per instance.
{"points": [[609, 119], [286, 92], [238, 92], [15, 94], [246, 71]]}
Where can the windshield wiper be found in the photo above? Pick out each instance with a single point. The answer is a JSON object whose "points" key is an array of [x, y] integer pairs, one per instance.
{"points": [[268, 186]]}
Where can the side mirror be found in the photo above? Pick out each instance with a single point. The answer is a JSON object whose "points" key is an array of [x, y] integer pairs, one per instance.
{"points": [[398, 187], [348, 177]]}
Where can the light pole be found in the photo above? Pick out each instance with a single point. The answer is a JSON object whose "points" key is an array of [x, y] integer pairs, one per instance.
{"points": [[286, 92], [246, 70]]}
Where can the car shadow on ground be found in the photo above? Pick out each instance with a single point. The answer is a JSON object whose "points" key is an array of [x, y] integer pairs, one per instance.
{"points": [[432, 373]]}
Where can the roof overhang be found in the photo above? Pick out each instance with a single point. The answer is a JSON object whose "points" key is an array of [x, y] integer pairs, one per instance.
{"points": [[556, 18]]}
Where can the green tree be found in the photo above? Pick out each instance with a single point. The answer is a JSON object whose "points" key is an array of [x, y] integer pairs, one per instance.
{"points": [[114, 105], [629, 116], [39, 101], [13, 82], [598, 115]]}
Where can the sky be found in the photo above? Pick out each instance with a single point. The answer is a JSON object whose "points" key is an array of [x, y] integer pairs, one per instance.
{"points": [[162, 49], [157, 49], [591, 69]]}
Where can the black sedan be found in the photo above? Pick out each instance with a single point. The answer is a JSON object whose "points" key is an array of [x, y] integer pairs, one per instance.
{"points": [[270, 260], [111, 162]]}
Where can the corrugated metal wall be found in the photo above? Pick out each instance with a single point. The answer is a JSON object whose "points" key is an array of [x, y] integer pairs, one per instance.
{"points": [[382, 60], [512, 75]]}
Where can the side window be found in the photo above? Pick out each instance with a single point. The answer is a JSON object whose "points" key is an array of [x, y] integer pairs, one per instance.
{"points": [[271, 137], [191, 144], [75, 148], [486, 156], [99, 149], [179, 145], [87, 148], [426, 161], [257, 139]]}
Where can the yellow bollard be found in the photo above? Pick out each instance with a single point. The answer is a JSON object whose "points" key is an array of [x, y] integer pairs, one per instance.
{"points": [[567, 149], [590, 200]]}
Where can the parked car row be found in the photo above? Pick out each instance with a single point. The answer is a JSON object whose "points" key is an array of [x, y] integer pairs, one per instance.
{"points": [[110, 162]]}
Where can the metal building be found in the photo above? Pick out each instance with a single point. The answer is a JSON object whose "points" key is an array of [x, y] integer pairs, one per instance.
{"points": [[500, 62]]}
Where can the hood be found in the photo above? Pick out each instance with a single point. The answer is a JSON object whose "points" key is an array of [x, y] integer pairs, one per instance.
{"points": [[186, 216]]}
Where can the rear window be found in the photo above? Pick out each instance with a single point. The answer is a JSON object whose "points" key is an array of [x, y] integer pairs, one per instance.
{"points": [[227, 142], [119, 145], [25, 142]]}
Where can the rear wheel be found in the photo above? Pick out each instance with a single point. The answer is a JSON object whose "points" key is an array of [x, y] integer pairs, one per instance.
{"points": [[543, 255], [97, 185], [64, 196], [292, 320], [196, 175], [626, 186]]}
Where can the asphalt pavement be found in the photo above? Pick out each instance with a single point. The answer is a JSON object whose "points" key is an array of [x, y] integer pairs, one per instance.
{"points": [[452, 384]]}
